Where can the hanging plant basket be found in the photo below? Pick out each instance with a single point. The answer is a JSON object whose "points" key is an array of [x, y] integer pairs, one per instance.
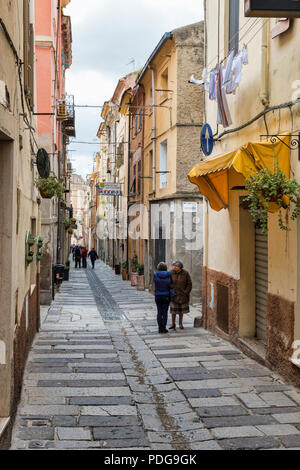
{"points": [[49, 187], [69, 224], [44, 195], [269, 192], [134, 263]]}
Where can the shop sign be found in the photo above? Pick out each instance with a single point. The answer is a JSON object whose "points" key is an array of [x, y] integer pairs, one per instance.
{"points": [[189, 207], [109, 189]]}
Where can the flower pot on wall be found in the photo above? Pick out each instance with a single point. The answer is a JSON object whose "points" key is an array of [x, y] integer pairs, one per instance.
{"points": [[124, 274], [44, 195], [140, 284], [133, 279]]}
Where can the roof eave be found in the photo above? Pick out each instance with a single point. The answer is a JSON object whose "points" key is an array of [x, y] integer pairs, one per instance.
{"points": [[165, 37]]}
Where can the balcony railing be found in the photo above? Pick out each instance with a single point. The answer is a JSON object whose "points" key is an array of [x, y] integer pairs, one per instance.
{"points": [[66, 114]]}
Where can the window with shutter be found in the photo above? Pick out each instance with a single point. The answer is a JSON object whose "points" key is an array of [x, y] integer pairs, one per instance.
{"points": [[163, 164], [234, 22], [26, 42], [31, 67], [139, 177], [164, 82]]}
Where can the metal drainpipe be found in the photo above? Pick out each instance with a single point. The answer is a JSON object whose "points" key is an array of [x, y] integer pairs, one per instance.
{"points": [[128, 188], [153, 135], [58, 248], [265, 92], [205, 201]]}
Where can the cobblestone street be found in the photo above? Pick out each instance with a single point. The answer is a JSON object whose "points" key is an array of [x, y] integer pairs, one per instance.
{"points": [[99, 376]]}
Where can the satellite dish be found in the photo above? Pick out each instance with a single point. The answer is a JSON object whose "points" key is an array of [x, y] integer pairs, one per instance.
{"points": [[43, 163]]}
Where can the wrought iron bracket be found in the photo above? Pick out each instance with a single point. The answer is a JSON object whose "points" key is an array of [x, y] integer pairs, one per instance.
{"points": [[295, 141]]}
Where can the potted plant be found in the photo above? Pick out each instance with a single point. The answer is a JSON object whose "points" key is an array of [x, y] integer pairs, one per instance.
{"points": [[124, 270], [66, 270], [66, 223], [39, 242], [133, 274], [271, 191], [49, 187], [69, 224], [29, 253], [140, 285]]}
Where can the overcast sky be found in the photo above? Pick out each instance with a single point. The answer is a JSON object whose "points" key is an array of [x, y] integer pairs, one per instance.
{"points": [[107, 35]]}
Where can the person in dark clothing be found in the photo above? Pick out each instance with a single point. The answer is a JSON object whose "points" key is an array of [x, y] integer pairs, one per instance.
{"points": [[162, 281], [73, 252], [84, 254], [182, 284], [93, 256], [77, 254]]}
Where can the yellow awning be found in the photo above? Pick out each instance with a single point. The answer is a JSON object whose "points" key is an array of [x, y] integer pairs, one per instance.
{"points": [[211, 176]]}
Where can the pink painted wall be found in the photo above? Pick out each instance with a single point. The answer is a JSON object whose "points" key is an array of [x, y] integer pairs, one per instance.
{"points": [[44, 85], [43, 17], [46, 17]]}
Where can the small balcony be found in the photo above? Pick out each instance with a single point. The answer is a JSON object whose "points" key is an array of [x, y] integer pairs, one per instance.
{"points": [[66, 114]]}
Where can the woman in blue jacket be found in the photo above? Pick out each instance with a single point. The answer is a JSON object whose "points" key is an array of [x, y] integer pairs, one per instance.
{"points": [[162, 281]]}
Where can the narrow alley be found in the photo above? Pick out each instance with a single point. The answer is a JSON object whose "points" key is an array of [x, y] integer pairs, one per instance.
{"points": [[99, 376]]}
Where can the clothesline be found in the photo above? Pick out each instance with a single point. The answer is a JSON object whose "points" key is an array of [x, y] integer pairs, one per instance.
{"points": [[252, 26], [223, 80]]}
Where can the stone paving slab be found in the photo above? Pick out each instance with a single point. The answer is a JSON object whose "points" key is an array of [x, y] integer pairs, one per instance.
{"points": [[186, 422], [109, 410], [209, 402], [219, 411], [124, 432], [170, 408], [249, 443], [235, 421], [76, 434], [278, 429], [286, 418], [78, 391], [236, 432], [190, 436]]}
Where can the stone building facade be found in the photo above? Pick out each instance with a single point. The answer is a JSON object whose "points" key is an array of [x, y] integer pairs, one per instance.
{"points": [[250, 278], [56, 123]]}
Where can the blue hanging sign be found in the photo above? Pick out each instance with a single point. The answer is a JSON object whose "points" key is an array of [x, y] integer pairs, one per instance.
{"points": [[207, 139]]}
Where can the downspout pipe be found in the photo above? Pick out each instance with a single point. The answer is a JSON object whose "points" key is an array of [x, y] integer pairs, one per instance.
{"points": [[205, 201], [128, 185], [265, 64]]}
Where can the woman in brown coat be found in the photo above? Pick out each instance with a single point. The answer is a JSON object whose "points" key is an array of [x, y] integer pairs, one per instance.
{"points": [[182, 284]]}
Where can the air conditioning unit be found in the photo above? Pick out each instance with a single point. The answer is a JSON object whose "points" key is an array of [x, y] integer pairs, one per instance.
{"points": [[273, 8]]}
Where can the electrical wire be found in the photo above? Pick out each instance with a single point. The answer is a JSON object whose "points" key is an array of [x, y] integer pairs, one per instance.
{"points": [[255, 23]]}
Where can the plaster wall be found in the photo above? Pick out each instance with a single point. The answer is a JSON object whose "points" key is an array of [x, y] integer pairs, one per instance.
{"points": [[19, 213], [225, 249]]}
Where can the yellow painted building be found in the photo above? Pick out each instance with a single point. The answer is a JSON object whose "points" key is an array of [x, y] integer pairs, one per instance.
{"points": [[173, 120]]}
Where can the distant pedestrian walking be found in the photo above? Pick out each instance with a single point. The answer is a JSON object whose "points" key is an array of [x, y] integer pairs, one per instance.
{"points": [[77, 255], [182, 284], [84, 253], [73, 252], [162, 281], [93, 256]]}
